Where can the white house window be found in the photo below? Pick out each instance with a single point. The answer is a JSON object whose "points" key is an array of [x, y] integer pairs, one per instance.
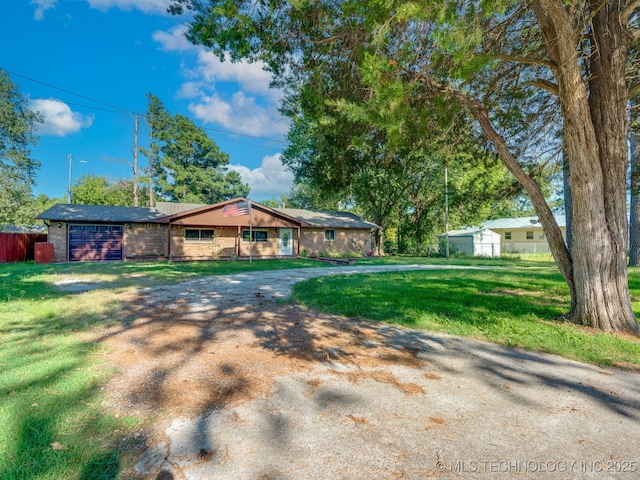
{"points": [[529, 235], [256, 235], [507, 235], [198, 235], [330, 235]]}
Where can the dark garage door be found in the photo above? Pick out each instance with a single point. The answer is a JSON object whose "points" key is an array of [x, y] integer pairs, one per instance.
{"points": [[95, 242]]}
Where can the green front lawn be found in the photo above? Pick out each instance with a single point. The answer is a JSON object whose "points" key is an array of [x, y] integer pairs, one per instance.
{"points": [[52, 421], [52, 425], [509, 305]]}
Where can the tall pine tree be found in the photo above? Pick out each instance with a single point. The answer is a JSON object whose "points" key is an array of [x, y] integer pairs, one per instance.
{"points": [[18, 125]]}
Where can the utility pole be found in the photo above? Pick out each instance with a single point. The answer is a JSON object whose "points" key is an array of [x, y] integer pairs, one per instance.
{"points": [[150, 154], [70, 158], [446, 211], [135, 160]]}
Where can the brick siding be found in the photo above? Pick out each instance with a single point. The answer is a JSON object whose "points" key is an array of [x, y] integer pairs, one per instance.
{"points": [[148, 239], [145, 239], [223, 244], [58, 236], [353, 241]]}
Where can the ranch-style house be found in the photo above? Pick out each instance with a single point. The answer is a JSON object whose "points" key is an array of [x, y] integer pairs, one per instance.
{"points": [[178, 231]]}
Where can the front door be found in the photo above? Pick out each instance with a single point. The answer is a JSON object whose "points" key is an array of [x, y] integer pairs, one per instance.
{"points": [[286, 241]]}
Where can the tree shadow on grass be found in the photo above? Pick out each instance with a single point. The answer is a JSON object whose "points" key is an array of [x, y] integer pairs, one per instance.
{"points": [[177, 338], [168, 338], [465, 298], [52, 422]]}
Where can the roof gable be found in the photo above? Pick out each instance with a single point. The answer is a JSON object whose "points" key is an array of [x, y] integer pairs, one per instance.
{"points": [[261, 216]]}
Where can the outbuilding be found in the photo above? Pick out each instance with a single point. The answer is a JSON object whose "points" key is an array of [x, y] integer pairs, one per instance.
{"points": [[476, 242], [524, 234]]}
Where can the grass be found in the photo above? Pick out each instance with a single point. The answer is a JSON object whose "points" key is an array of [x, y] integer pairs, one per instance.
{"points": [[27, 280], [537, 260], [515, 306], [52, 424]]}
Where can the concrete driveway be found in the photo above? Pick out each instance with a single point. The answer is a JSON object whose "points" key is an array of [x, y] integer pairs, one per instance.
{"points": [[241, 386]]}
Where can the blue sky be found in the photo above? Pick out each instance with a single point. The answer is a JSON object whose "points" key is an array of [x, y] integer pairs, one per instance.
{"points": [[86, 65]]}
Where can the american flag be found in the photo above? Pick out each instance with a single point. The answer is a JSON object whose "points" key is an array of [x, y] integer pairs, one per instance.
{"points": [[236, 209]]}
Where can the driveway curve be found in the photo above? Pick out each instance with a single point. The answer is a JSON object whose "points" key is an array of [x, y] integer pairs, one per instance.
{"points": [[240, 386]]}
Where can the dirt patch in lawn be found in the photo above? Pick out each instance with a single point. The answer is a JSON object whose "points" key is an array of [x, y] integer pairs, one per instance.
{"points": [[180, 360], [233, 384], [77, 285]]}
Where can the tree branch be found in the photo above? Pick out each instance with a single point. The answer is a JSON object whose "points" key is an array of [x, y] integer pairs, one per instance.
{"points": [[545, 85], [526, 60], [591, 16], [630, 8], [554, 235]]}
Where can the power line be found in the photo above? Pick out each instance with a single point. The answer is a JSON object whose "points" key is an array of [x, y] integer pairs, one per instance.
{"points": [[65, 90], [227, 132], [93, 107], [275, 149]]}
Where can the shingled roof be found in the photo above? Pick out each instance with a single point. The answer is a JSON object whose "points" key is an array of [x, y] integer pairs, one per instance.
{"points": [[99, 213], [170, 208], [324, 219], [521, 222]]}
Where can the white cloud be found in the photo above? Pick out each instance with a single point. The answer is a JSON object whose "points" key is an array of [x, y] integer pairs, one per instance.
{"points": [[145, 6], [271, 179], [42, 6], [235, 96], [209, 69], [240, 114], [59, 119], [251, 76], [190, 90], [174, 40]]}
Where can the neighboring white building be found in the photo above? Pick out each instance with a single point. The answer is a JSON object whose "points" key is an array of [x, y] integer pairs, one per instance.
{"points": [[523, 234], [477, 242]]}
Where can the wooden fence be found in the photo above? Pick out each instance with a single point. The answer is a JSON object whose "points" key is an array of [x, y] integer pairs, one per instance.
{"points": [[17, 247]]}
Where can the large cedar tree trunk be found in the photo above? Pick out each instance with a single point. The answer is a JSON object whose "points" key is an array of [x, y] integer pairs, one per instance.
{"points": [[567, 197], [596, 126]]}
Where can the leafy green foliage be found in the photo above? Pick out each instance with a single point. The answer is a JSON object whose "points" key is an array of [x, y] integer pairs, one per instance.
{"points": [[303, 195], [395, 176], [157, 118], [43, 202], [187, 165], [363, 128], [18, 125], [522, 70], [97, 190]]}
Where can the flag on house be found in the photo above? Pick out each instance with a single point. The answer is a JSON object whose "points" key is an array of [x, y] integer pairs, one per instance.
{"points": [[236, 209]]}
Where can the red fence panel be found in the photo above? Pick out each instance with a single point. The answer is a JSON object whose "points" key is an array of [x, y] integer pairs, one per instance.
{"points": [[43, 252], [16, 247]]}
